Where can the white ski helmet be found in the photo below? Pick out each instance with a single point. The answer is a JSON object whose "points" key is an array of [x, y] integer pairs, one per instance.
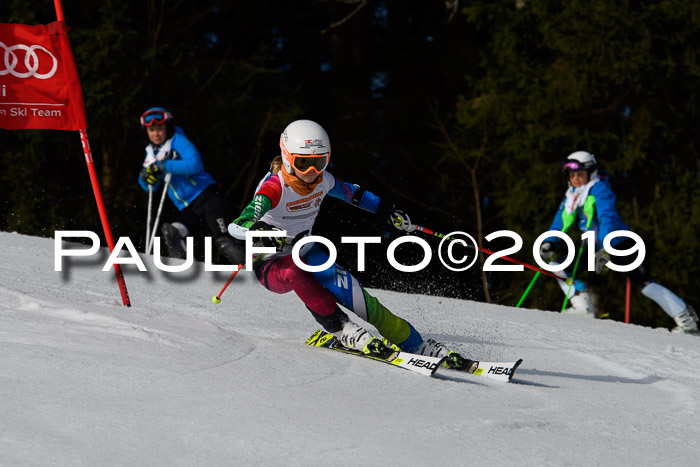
{"points": [[305, 146], [581, 160]]}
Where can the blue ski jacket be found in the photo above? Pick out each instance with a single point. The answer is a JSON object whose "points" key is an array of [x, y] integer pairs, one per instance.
{"points": [[185, 163], [606, 219]]}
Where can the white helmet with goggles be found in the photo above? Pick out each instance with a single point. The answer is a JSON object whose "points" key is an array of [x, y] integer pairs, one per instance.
{"points": [[305, 147], [581, 160]]}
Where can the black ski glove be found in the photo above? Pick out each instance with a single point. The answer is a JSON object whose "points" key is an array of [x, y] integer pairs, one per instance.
{"points": [[279, 243], [151, 174], [395, 216], [547, 252], [400, 220]]}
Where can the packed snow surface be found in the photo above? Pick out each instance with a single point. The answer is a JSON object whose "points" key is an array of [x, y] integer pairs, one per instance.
{"points": [[177, 380]]}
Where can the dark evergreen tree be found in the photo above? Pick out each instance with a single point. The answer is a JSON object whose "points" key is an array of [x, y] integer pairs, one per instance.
{"points": [[459, 111]]}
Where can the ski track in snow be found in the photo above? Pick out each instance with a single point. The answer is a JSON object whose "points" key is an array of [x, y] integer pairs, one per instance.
{"points": [[176, 380]]}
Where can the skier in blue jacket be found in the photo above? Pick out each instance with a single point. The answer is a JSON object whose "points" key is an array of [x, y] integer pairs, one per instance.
{"points": [[192, 190], [590, 205]]}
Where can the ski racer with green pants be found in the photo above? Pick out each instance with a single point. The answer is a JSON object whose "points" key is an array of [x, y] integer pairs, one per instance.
{"points": [[288, 198]]}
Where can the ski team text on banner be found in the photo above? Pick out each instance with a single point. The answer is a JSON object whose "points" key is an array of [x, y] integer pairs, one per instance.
{"points": [[39, 84], [40, 89]]}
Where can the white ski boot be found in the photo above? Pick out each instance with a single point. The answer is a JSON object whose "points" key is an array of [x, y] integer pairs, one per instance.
{"points": [[431, 348], [355, 337], [454, 360], [687, 321], [581, 305]]}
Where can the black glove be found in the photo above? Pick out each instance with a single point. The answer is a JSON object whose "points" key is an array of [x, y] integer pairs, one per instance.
{"points": [[151, 174], [279, 243], [387, 212], [401, 221], [547, 252]]}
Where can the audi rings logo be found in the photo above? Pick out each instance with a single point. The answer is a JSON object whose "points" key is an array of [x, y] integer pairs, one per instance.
{"points": [[31, 61]]}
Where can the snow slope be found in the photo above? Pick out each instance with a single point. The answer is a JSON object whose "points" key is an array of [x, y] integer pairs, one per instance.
{"points": [[176, 380]]}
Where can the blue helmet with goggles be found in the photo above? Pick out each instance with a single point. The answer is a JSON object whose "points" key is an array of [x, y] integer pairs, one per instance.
{"points": [[155, 116], [581, 160]]}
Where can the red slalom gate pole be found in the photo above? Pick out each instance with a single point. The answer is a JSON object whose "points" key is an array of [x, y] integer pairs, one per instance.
{"points": [[93, 174], [484, 250], [216, 299], [628, 288], [103, 214]]}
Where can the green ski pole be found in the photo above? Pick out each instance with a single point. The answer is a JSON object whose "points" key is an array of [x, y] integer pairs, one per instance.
{"points": [[567, 221], [527, 291], [588, 210]]}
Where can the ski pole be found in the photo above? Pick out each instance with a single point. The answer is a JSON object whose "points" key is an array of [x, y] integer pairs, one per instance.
{"points": [[216, 299], [527, 291], [567, 221], [588, 210], [148, 216], [484, 250], [168, 176], [570, 280], [627, 300]]}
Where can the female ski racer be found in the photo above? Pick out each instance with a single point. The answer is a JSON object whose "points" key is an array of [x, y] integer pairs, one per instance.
{"points": [[192, 190], [589, 199], [289, 198]]}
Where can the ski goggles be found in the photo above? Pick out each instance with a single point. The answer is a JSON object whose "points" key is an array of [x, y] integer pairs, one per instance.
{"points": [[304, 163], [572, 165], [155, 117]]}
